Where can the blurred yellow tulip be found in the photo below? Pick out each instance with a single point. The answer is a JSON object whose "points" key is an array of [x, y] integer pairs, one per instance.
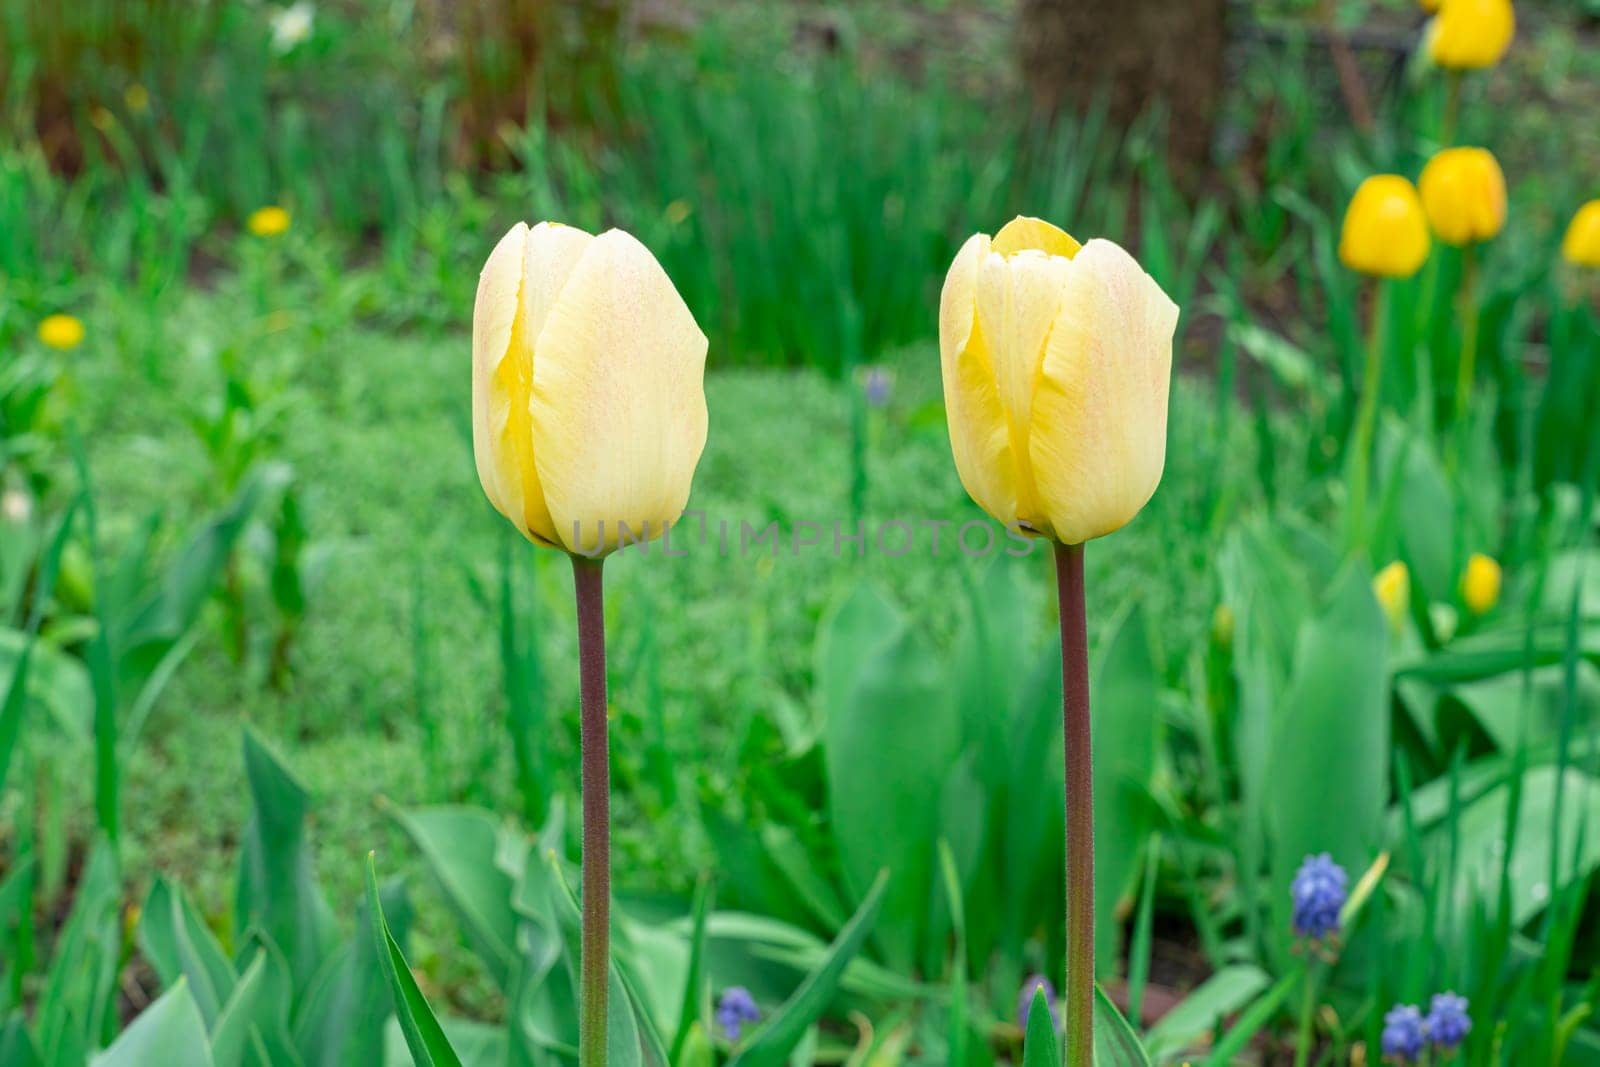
{"points": [[1581, 246], [1464, 194], [1385, 231], [269, 221], [1222, 626], [588, 399], [1056, 359], [1467, 34], [1393, 589], [1480, 584], [63, 332], [1430, 6]]}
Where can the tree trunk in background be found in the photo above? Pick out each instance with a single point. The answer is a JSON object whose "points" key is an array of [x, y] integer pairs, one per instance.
{"points": [[1137, 51]]}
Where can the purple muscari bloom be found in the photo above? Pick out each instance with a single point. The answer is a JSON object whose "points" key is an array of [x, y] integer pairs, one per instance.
{"points": [[736, 1010], [1403, 1034], [1025, 1000], [878, 383], [1448, 1021], [1319, 892]]}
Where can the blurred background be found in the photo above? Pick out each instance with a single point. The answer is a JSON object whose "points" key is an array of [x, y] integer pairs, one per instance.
{"points": [[239, 242]]}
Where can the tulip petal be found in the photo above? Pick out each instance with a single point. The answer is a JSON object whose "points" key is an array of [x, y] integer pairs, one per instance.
{"points": [[520, 283], [1018, 298], [1098, 438], [979, 436], [1026, 232], [494, 321], [618, 401]]}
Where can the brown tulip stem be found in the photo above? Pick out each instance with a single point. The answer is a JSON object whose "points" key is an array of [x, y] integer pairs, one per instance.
{"points": [[1366, 421], [1466, 366], [595, 953], [1078, 1008]]}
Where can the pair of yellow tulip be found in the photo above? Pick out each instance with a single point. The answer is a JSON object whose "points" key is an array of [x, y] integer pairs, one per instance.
{"points": [[1480, 587], [1461, 197], [589, 411]]}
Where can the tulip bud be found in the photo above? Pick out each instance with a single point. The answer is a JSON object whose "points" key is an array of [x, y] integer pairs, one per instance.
{"points": [[1385, 232], [1056, 360], [1467, 34], [1464, 195], [588, 400], [1581, 246], [1480, 584], [1392, 587]]}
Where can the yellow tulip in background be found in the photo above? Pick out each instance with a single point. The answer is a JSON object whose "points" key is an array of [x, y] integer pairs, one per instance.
{"points": [[1393, 589], [61, 332], [1385, 231], [1480, 584], [588, 398], [1469, 34], [1464, 195], [1581, 245], [1056, 359]]}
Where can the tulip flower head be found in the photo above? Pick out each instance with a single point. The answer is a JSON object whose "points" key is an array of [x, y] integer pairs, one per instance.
{"points": [[1464, 195], [1581, 245], [1319, 892], [1448, 1023], [1469, 34], [1385, 231], [1404, 1034], [588, 398], [61, 332], [1480, 584], [269, 221], [1056, 359], [1393, 589]]}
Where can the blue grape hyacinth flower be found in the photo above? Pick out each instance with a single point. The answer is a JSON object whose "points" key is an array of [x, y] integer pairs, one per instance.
{"points": [[1025, 1001], [1404, 1034], [736, 1010], [1319, 893], [1448, 1022]]}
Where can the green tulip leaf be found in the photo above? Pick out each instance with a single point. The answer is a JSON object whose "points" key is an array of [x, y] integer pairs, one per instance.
{"points": [[424, 1036]]}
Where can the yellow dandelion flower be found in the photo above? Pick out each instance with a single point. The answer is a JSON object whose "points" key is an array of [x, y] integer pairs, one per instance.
{"points": [[269, 221], [62, 332]]}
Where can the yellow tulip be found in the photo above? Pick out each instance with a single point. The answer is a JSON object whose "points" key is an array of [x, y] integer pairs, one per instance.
{"points": [[1222, 626], [1056, 359], [1393, 589], [1385, 231], [1467, 34], [588, 400], [1430, 6], [1464, 195], [269, 221], [62, 332], [1480, 584], [1581, 246]]}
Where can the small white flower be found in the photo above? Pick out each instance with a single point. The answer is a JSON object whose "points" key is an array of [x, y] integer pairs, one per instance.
{"points": [[291, 25], [16, 506]]}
